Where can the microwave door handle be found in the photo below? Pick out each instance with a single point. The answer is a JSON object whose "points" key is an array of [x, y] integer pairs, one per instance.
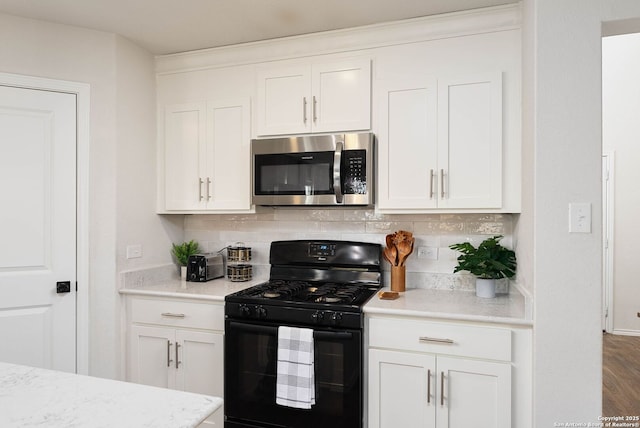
{"points": [[337, 161]]}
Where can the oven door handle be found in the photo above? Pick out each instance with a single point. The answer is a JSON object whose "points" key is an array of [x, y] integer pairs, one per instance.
{"points": [[253, 327], [317, 334], [334, 335]]}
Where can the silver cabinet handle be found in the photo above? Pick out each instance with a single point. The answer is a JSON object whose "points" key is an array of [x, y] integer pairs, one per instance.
{"points": [[169, 360], [177, 360], [431, 184], [304, 109], [172, 315], [435, 339], [315, 104], [200, 183], [442, 183], [337, 160], [442, 388], [429, 386], [208, 189]]}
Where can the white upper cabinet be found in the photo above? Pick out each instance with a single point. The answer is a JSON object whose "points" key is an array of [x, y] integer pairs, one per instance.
{"points": [[442, 94], [470, 141], [440, 143], [407, 143], [185, 154], [298, 97], [206, 156], [283, 100]]}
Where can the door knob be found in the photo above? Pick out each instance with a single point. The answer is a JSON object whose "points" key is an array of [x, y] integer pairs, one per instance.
{"points": [[63, 287]]}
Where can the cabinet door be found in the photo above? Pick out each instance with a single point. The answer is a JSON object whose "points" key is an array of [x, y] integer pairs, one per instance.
{"points": [[470, 141], [284, 100], [201, 366], [228, 155], [401, 390], [341, 95], [475, 393], [407, 144], [184, 155], [152, 356]]}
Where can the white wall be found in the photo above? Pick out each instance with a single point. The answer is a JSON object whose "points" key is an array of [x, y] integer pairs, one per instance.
{"points": [[563, 128], [137, 222], [112, 67], [621, 135]]}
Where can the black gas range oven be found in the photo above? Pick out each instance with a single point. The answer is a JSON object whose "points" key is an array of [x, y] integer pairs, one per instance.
{"points": [[317, 286]]}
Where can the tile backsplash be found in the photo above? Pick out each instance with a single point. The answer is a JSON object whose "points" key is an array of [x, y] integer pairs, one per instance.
{"points": [[433, 232]]}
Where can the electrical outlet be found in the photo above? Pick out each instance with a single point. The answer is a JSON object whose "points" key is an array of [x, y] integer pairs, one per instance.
{"points": [[134, 251], [428, 253]]}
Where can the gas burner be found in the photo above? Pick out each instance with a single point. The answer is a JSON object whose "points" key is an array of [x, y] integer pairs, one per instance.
{"points": [[328, 299], [271, 294]]}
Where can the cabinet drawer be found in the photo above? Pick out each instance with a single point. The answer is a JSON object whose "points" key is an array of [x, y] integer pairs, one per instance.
{"points": [[441, 338], [179, 314]]}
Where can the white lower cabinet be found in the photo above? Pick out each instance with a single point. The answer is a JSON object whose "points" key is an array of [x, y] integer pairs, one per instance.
{"points": [[177, 345], [425, 375]]}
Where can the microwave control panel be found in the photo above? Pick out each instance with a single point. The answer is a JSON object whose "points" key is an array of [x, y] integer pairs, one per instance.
{"points": [[354, 172]]}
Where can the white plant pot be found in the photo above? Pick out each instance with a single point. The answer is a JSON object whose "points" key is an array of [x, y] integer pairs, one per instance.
{"points": [[183, 272], [486, 288]]}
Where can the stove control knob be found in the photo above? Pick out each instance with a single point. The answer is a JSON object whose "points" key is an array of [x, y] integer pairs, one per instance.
{"points": [[245, 311], [261, 312], [336, 318], [317, 317]]}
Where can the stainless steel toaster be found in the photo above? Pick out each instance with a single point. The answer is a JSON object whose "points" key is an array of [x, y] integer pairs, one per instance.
{"points": [[205, 267]]}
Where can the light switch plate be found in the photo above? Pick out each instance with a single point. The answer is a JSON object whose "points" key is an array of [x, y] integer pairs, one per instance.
{"points": [[579, 217]]}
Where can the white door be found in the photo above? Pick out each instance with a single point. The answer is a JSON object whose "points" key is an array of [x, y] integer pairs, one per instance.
{"points": [[228, 154], [341, 96], [401, 389], [473, 393], [153, 356], [470, 142], [283, 100], [38, 228], [185, 156], [407, 144]]}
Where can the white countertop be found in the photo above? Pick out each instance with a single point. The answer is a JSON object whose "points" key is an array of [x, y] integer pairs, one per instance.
{"points": [[509, 308], [214, 290], [33, 397], [512, 308]]}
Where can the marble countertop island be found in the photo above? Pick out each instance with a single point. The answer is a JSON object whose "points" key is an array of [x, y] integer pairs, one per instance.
{"points": [[33, 397]]}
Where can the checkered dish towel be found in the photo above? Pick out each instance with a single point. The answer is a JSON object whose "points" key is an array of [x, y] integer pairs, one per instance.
{"points": [[295, 383]]}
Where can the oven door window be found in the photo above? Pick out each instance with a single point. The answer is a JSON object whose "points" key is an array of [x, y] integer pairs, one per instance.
{"points": [[294, 174], [250, 378]]}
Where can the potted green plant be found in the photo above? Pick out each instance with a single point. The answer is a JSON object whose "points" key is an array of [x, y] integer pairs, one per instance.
{"points": [[488, 262], [181, 252]]}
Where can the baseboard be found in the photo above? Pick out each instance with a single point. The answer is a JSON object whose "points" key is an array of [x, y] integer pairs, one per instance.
{"points": [[623, 332]]}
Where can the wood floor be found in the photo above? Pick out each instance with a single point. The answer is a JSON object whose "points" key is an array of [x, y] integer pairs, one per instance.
{"points": [[621, 375]]}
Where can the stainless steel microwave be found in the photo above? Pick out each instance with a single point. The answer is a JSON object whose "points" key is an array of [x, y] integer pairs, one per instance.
{"points": [[325, 170]]}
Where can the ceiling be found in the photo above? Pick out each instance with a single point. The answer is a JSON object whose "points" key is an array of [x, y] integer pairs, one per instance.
{"points": [[170, 26]]}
